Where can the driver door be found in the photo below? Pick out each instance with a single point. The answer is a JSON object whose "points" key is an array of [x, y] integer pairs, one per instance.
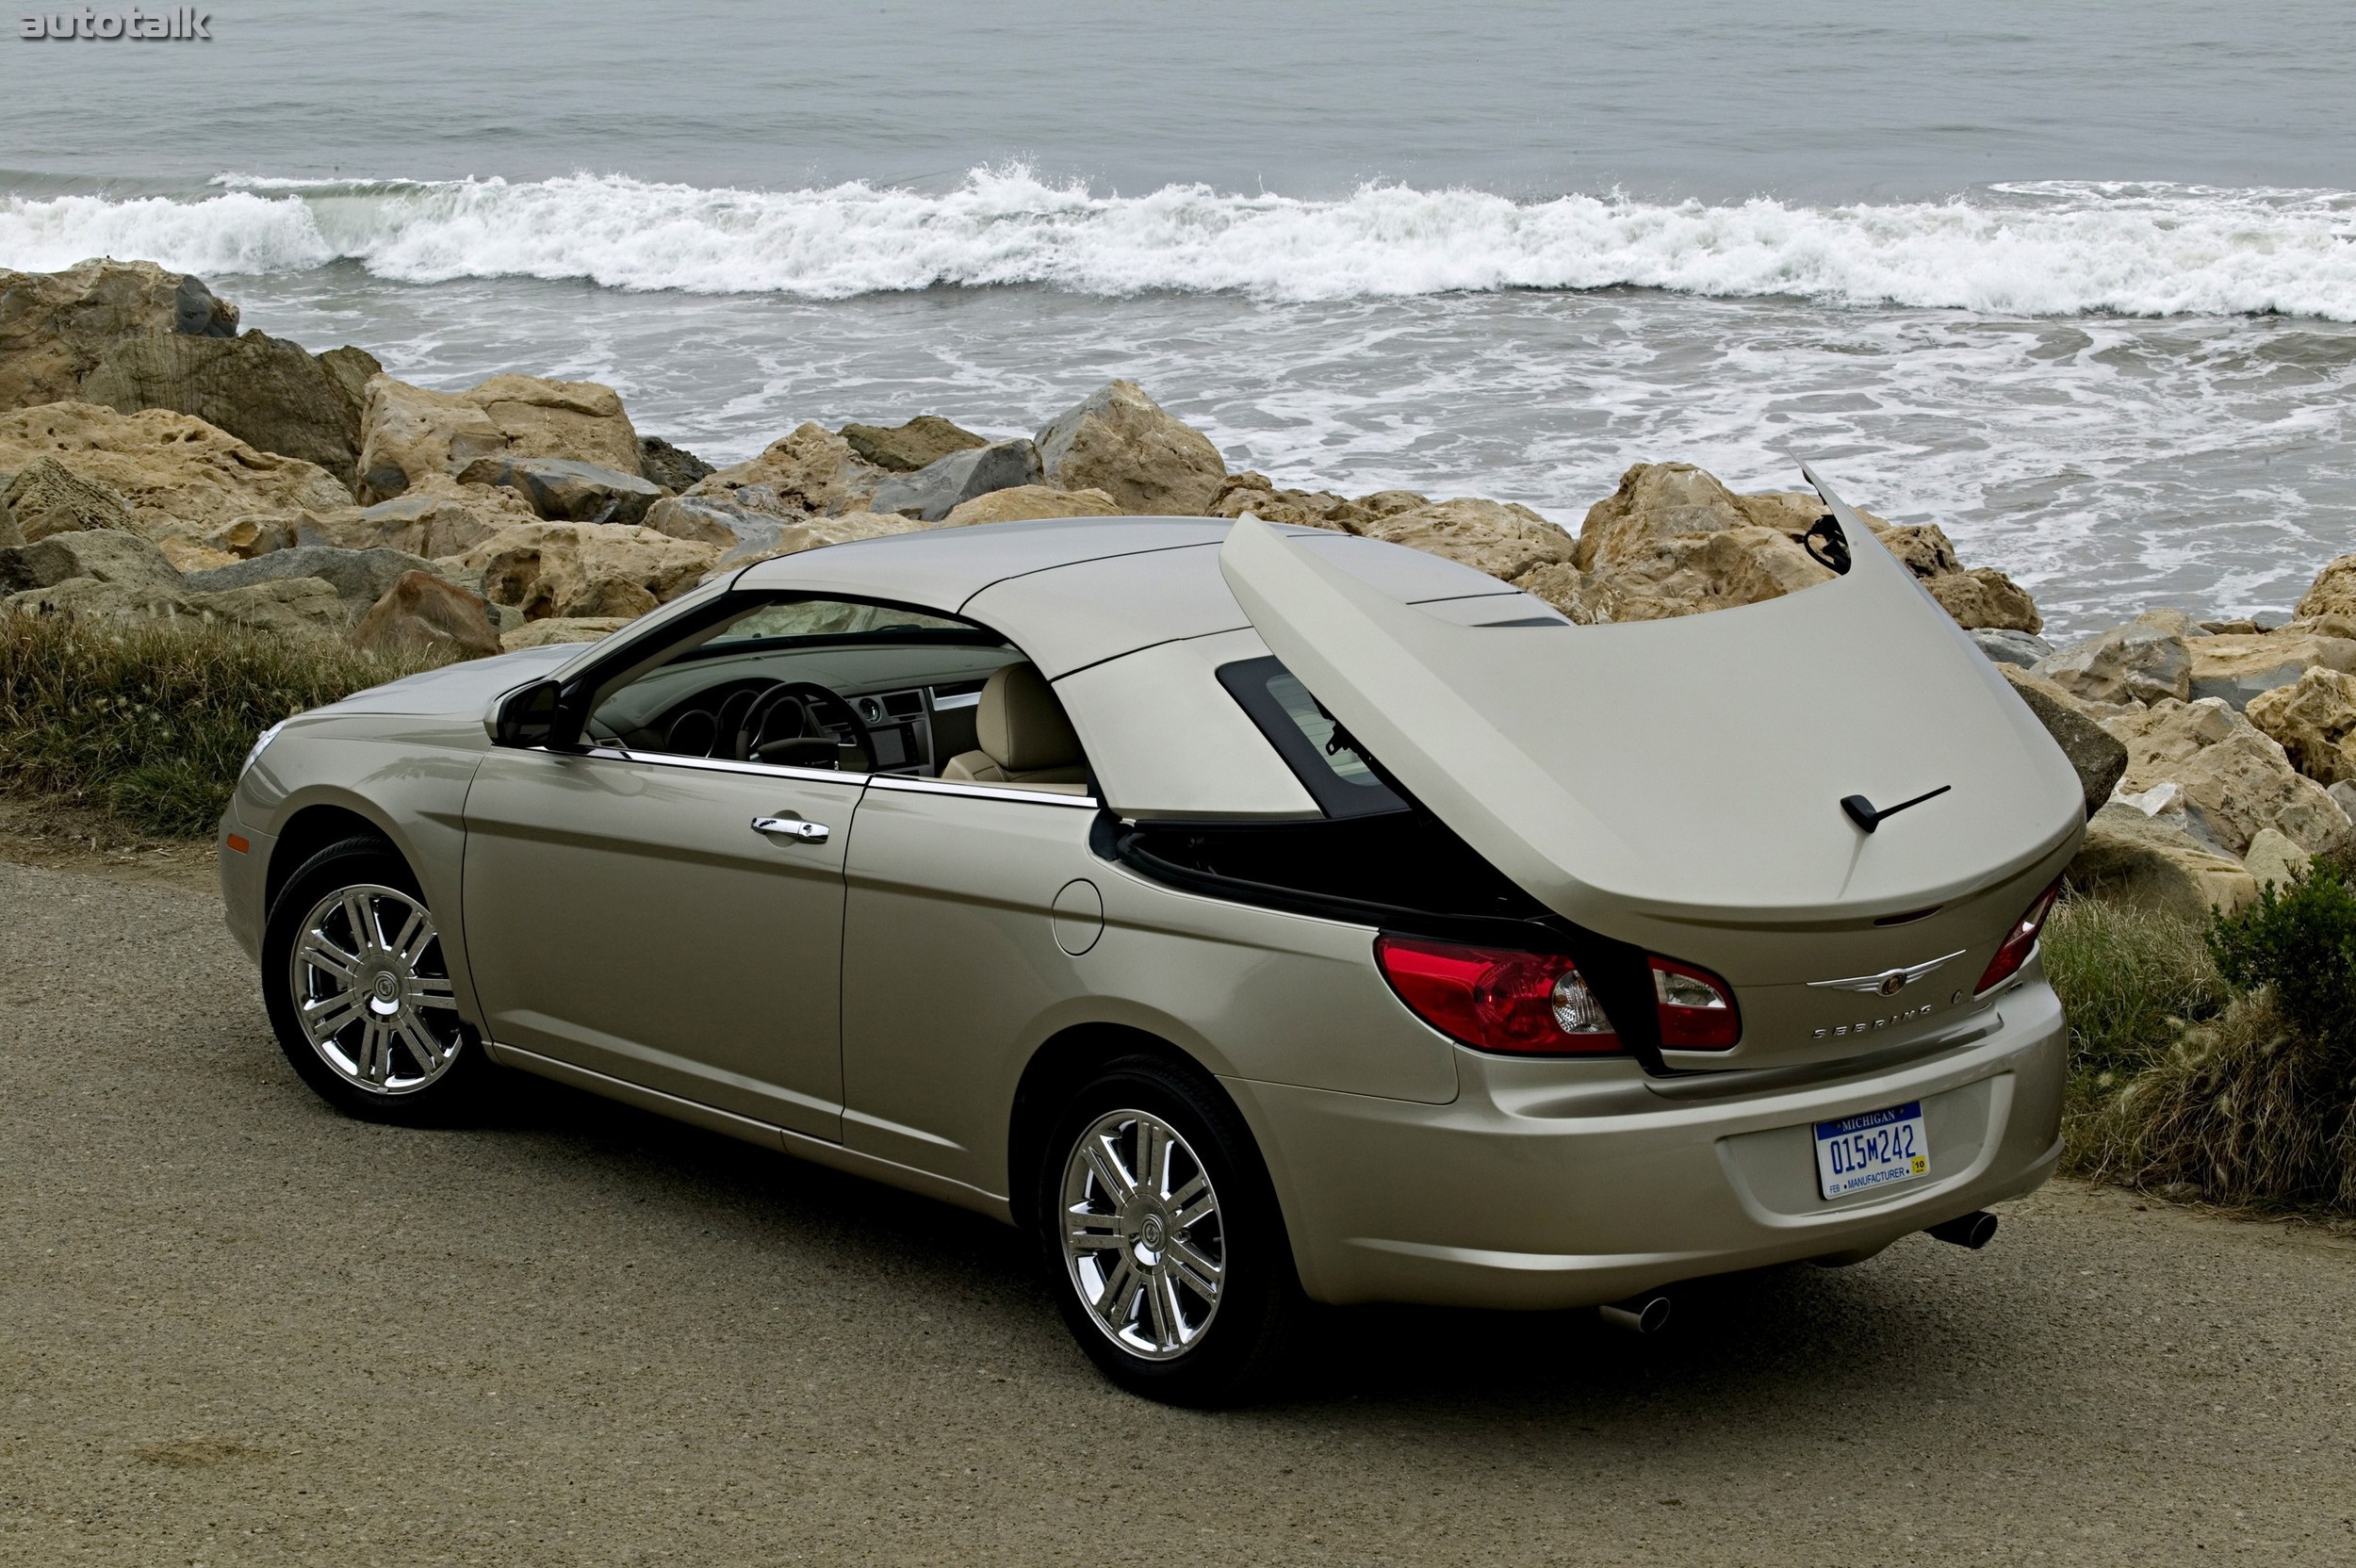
{"points": [[625, 915]]}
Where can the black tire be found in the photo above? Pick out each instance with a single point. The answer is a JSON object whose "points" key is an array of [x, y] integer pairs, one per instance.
{"points": [[1243, 1340], [448, 1075]]}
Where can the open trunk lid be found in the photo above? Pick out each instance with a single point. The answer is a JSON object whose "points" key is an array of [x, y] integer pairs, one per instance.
{"points": [[1678, 784]]}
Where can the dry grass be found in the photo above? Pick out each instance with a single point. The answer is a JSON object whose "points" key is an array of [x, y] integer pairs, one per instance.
{"points": [[152, 722]]}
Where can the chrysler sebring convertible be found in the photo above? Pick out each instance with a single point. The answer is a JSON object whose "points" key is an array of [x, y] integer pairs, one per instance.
{"points": [[1255, 915]]}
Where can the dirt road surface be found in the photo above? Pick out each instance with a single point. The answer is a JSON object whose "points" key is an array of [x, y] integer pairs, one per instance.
{"points": [[238, 1329]]}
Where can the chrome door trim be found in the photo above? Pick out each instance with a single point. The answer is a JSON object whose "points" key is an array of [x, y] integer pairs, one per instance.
{"points": [[719, 764], [981, 791]]}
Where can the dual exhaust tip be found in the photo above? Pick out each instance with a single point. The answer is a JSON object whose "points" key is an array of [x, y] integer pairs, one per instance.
{"points": [[1647, 1312]]}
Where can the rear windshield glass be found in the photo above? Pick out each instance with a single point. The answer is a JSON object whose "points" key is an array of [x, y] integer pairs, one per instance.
{"points": [[1320, 753]]}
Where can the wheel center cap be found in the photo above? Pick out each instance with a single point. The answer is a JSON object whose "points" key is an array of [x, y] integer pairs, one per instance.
{"points": [[389, 987], [1149, 1234]]}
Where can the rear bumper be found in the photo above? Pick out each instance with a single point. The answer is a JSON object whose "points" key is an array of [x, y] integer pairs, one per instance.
{"points": [[1551, 1194]]}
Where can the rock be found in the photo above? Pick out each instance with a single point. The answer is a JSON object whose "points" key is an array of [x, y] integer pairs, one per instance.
{"points": [[281, 604], [102, 555], [2023, 648], [1588, 600], [2167, 803], [2099, 757], [1255, 494], [415, 439], [421, 613], [672, 467], [582, 570], [92, 598], [565, 491], [708, 520], [939, 488], [177, 474], [1986, 598], [428, 525], [2231, 628], [809, 470], [790, 537], [1671, 540], [187, 556], [572, 628], [2333, 592], [2344, 795], [265, 391], [2238, 777], [2129, 858], [2275, 861], [2238, 666], [1496, 537], [2135, 662], [47, 498], [1025, 502], [1120, 441], [904, 448], [358, 576], [2314, 720], [55, 327]]}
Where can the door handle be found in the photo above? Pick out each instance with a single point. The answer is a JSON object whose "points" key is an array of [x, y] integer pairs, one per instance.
{"points": [[791, 828]]}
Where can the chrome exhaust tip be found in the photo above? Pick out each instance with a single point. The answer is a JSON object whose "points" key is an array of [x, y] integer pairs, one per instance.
{"points": [[1639, 1315], [1973, 1230]]}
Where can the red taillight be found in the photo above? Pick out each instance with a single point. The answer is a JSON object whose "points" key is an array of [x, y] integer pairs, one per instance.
{"points": [[1698, 1011], [2021, 941], [1498, 999]]}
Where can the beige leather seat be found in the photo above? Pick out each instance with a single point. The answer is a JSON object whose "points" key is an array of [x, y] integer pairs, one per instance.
{"points": [[1025, 739]]}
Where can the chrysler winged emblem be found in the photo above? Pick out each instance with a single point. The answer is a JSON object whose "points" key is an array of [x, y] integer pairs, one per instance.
{"points": [[1889, 982]]}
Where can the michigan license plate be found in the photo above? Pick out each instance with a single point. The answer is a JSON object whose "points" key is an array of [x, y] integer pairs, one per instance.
{"points": [[1878, 1148]]}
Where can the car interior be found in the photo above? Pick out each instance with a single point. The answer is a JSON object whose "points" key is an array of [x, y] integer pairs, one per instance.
{"points": [[855, 687]]}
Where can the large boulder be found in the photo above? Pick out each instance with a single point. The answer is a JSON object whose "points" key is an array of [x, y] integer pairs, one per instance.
{"points": [[2141, 661], [177, 474], [672, 467], [2314, 720], [413, 439], [768, 537], [2238, 777], [1983, 596], [578, 628], [265, 391], [2023, 648], [424, 614], [577, 569], [427, 524], [942, 486], [1254, 493], [284, 605], [1497, 537], [104, 555], [1030, 503], [2239, 666], [2275, 861], [2098, 757], [563, 490], [358, 577], [2333, 590], [55, 327], [904, 448], [48, 498], [708, 520], [281, 604], [810, 469], [1122, 442], [2132, 860]]}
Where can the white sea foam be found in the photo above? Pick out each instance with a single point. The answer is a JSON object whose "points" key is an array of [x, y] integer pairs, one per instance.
{"points": [[2049, 248]]}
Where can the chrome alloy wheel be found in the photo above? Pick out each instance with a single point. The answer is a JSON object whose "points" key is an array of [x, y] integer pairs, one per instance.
{"points": [[371, 991], [1141, 1235]]}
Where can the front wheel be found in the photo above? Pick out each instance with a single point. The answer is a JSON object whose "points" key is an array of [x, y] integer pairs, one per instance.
{"points": [[1170, 1257], [359, 990]]}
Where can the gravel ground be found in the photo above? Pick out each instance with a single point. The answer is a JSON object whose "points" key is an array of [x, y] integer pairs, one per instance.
{"points": [[235, 1328]]}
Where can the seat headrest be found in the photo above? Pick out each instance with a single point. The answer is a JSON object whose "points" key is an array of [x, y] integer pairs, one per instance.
{"points": [[1021, 724]]}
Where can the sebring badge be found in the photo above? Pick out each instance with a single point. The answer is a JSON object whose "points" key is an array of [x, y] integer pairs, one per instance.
{"points": [[1889, 982]]}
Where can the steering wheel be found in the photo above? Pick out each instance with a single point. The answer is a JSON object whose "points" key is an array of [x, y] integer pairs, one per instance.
{"points": [[777, 722]]}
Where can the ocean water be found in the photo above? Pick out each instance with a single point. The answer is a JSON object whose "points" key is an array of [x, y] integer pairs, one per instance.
{"points": [[2076, 281]]}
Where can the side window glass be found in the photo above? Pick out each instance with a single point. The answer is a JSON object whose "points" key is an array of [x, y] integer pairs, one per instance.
{"points": [[1320, 753], [800, 682]]}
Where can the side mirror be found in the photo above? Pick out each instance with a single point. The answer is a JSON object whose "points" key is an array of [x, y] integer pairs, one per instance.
{"points": [[533, 716]]}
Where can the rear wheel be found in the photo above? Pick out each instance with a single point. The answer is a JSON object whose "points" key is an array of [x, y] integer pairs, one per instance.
{"points": [[359, 989], [1169, 1256]]}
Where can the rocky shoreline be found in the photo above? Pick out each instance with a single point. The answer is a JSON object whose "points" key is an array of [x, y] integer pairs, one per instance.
{"points": [[156, 464]]}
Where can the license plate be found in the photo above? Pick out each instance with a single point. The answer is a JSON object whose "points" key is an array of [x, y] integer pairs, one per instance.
{"points": [[1874, 1150]]}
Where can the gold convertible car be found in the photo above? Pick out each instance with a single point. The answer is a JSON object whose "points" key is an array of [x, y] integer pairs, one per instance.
{"points": [[1257, 915]]}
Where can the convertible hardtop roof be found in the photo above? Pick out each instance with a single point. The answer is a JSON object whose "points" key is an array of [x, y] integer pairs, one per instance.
{"points": [[1073, 592]]}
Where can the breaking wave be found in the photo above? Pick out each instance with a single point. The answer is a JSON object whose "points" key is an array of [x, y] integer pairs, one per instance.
{"points": [[2046, 248]]}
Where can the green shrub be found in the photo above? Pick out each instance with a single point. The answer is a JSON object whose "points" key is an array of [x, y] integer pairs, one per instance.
{"points": [[152, 721], [2129, 979], [2301, 944]]}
